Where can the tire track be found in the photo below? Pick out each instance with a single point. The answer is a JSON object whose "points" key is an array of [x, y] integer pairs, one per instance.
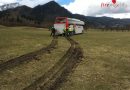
{"points": [[52, 79], [28, 57]]}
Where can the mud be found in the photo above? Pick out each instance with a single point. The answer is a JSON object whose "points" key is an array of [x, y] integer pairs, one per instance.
{"points": [[53, 78], [28, 57]]}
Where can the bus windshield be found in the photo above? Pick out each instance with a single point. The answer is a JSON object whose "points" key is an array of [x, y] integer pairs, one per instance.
{"points": [[60, 20]]}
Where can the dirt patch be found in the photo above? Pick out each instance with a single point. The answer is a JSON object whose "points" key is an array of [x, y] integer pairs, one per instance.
{"points": [[53, 78], [28, 57]]}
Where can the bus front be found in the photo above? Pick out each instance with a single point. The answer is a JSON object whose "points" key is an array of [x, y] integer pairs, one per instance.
{"points": [[60, 24]]}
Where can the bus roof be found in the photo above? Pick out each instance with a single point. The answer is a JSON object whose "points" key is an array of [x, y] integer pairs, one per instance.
{"points": [[71, 20]]}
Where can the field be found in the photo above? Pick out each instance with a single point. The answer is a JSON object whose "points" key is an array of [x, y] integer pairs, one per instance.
{"points": [[105, 65], [16, 41]]}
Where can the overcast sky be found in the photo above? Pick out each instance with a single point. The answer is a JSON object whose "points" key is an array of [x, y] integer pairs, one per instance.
{"points": [[85, 7]]}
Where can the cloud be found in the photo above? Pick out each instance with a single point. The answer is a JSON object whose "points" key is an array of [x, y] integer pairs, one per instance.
{"points": [[7, 1], [94, 8], [85, 7], [1, 4], [120, 15], [33, 3], [30, 3]]}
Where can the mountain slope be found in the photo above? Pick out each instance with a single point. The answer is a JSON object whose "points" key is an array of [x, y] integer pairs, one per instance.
{"points": [[44, 16], [41, 15], [9, 6], [15, 16]]}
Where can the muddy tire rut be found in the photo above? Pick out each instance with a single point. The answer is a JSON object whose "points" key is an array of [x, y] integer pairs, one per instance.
{"points": [[53, 78], [28, 57]]}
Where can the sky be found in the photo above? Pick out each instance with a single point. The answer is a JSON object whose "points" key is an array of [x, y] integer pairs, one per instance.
{"points": [[120, 9]]}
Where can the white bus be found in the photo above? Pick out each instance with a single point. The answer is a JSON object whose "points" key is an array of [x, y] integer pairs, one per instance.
{"points": [[64, 22]]}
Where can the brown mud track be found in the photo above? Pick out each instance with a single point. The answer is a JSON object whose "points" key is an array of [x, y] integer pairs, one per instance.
{"points": [[53, 78], [28, 57]]}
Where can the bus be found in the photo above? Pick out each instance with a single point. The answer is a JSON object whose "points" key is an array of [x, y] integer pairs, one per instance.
{"points": [[62, 23]]}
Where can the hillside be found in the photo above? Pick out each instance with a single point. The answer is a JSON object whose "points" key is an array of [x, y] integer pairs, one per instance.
{"points": [[41, 15], [9, 6], [44, 16]]}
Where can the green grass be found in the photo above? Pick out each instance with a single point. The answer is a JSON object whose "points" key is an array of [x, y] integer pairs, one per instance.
{"points": [[106, 63], [105, 66], [16, 41], [23, 75], [21, 40]]}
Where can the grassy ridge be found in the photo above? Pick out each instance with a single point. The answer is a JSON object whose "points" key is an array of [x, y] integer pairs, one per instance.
{"points": [[106, 65]]}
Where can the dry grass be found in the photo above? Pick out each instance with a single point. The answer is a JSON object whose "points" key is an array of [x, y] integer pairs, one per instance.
{"points": [[106, 65], [24, 40], [16, 41]]}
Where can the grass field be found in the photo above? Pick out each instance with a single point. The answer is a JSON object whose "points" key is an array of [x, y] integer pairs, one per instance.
{"points": [[16, 41], [106, 63], [105, 66]]}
